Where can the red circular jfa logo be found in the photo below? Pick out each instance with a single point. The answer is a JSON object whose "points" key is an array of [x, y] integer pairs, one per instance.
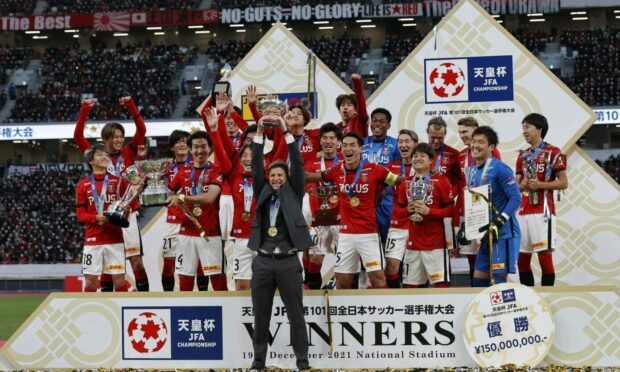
{"points": [[447, 80], [147, 332]]}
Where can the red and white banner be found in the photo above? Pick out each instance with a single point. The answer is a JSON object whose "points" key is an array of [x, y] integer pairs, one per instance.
{"points": [[113, 21]]}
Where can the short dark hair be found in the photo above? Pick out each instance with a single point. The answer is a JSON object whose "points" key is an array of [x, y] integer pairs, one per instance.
{"points": [[437, 121], [238, 110], [346, 98], [90, 153], [304, 112], [488, 132], [251, 129], [383, 111], [537, 120], [278, 164], [468, 121], [360, 140], [108, 130], [176, 136], [410, 133], [201, 134], [330, 127], [424, 148], [243, 148]]}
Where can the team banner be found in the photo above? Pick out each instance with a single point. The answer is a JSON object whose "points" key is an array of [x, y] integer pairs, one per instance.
{"points": [[353, 10], [370, 329], [111, 21]]}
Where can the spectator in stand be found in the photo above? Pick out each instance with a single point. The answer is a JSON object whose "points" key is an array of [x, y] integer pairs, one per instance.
{"points": [[17, 7], [141, 70], [611, 166], [40, 206], [92, 6]]}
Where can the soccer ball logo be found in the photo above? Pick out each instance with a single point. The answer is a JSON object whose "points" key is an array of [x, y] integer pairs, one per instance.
{"points": [[147, 333], [447, 80]]}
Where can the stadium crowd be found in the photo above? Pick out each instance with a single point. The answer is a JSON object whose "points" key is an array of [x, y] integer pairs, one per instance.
{"points": [[611, 166], [16, 7], [11, 59], [90, 6], [37, 218], [142, 71]]}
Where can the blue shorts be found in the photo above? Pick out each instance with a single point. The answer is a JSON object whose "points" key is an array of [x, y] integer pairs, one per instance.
{"points": [[384, 217], [505, 255]]}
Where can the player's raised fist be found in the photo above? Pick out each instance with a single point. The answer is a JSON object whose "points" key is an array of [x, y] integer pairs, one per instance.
{"points": [[356, 77], [88, 102], [124, 100]]}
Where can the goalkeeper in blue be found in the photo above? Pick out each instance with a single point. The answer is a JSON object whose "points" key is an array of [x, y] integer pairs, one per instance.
{"points": [[493, 265]]}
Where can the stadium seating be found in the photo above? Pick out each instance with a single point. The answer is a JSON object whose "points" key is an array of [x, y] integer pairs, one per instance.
{"points": [[37, 218], [90, 6]]}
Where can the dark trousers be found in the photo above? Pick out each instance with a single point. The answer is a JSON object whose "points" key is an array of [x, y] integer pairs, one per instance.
{"points": [[286, 275]]}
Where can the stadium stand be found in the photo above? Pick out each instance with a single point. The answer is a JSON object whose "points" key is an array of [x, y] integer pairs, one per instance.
{"points": [[90, 6], [37, 218]]}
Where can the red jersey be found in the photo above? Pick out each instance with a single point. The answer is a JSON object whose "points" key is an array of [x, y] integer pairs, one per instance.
{"points": [[400, 216], [447, 162], [549, 160], [359, 123], [328, 215], [360, 219], [429, 234], [175, 214], [203, 178], [86, 208]]}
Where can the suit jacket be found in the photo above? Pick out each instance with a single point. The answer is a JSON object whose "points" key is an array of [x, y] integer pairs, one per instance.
{"points": [[291, 195]]}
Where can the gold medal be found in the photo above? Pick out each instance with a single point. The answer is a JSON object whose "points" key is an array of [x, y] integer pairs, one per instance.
{"points": [[355, 201], [245, 216], [273, 231], [333, 199], [526, 193], [197, 211]]}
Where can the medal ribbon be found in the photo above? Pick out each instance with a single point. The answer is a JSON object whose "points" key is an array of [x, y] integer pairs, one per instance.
{"points": [[248, 193], [274, 207], [357, 177], [194, 189], [99, 201], [438, 161], [175, 170], [477, 181], [402, 169], [117, 166], [324, 167]]}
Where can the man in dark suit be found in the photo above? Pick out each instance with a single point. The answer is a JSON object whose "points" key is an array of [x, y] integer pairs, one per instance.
{"points": [[278, 232]]}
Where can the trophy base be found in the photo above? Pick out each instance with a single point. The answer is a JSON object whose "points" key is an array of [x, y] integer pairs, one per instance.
{"points": [[153, 199], [117, 220]]}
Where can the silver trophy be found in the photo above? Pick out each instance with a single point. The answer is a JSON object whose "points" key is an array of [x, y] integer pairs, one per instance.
{"points": [[271, 103], [419, 191], [156, 193], [118, 212], [530, 168]]}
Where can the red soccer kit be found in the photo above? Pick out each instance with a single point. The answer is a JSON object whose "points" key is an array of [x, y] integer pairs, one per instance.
{"points": [[429, 234], [203, 178], [86, 208], [400, 215], [549, 161], [362, 218], [126, 157], [175, 214], [315, 166], [359, 123], [447, 162], [309, 144]]}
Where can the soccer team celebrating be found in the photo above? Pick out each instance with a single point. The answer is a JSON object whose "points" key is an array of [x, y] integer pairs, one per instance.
{"points": [[359, 202]]}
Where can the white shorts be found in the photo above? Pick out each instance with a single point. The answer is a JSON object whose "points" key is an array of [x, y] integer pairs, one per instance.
{"points": [[323, 239], [537, 235], [132, 237], [242, 258], [169, 248], [305, 209], [227, 208], [396, 243], [352, 247], [420, 266], [105, 258], [192, 250]]}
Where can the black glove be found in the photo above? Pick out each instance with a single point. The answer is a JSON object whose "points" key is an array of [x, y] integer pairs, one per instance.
{"points": [[493, 228], [460, 236]]}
